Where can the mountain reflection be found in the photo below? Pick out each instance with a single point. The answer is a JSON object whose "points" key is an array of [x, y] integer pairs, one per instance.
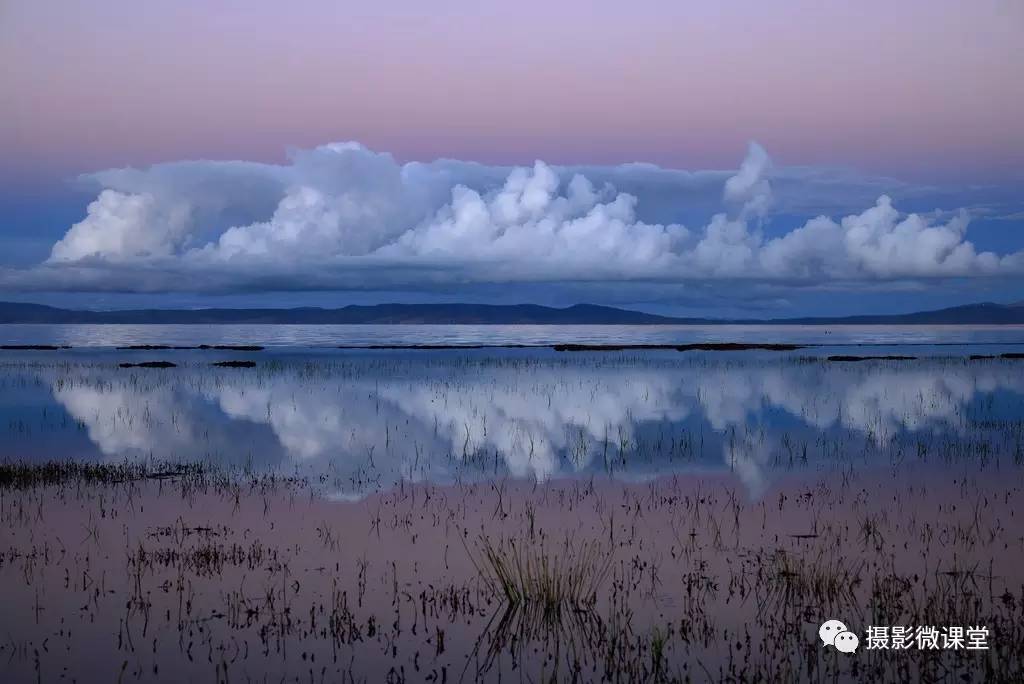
{"points": [[368, 423]]}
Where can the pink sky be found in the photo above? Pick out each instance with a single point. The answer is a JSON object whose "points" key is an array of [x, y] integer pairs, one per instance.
{"points": [[915, 89]]}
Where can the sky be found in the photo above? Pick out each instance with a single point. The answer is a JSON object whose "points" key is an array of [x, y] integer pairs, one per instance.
{"points": [[714, 158]]}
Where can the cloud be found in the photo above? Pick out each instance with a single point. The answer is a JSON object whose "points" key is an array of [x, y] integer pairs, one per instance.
{"points": [[750, 186], [342, 216], [120, 226], [1014, 216], [532, 228], [166, 208], [880, 243]]}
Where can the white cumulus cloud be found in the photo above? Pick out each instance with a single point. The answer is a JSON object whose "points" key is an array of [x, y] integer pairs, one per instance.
{"points": [[120, 226], [341, 215], [750, 187]]}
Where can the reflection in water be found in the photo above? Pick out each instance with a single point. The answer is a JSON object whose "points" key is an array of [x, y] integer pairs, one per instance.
{"points": [[882, 492], [367, 423]]}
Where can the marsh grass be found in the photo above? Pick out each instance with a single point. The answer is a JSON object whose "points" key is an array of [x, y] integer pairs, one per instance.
{"points": [[633, 569], [24, 474], [531, 573], [825, 580]]}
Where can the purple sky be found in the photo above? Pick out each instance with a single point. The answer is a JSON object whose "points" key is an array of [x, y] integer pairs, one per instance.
{"points": [[888, 171], [923, 89]]}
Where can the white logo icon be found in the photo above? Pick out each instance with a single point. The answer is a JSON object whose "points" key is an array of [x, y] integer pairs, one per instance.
{"points": [[835, 633]]}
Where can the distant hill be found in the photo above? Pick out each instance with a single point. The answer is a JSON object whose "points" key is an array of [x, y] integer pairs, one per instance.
{"points": [[986, 313], [529, 314], [484, 314]]}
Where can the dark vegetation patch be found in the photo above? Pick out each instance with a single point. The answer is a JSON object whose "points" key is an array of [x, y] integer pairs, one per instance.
{"points": [[34, 347], [22, 475], [219, 347], [841, 357], [981, 357], [149, 347], [235, 364], [149, 364], [443, 346], [1012, 355]]}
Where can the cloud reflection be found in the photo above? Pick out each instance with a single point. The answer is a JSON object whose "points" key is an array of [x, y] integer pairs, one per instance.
{"points": [[369, 423]]}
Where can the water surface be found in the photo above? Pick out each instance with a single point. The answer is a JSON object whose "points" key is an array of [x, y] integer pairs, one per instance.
{"points": [[338, 507], [335, 335], [369, 420]]}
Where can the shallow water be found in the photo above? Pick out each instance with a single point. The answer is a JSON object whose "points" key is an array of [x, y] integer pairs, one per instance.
{"points": [[340, 526], [370, 420], [297, 336]]}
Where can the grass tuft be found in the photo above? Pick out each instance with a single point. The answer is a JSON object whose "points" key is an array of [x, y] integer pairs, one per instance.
{"points": [[530, 574]]}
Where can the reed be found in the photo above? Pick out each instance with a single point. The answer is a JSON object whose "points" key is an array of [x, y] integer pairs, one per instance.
{"points": [[528, 573]]}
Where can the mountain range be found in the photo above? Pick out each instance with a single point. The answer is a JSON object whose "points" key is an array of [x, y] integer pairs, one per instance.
{"points": [[483, 314]]}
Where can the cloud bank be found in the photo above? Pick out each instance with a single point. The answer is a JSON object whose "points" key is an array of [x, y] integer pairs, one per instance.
{"points": [[343, 216]]}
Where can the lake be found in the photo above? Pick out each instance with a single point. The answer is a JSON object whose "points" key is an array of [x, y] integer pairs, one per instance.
{"points": [[309, 512], [307, 336]]}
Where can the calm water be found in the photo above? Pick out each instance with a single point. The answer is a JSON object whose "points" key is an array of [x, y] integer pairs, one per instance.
{"points": [[334, 335], [372, 419], [341, 527]]}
